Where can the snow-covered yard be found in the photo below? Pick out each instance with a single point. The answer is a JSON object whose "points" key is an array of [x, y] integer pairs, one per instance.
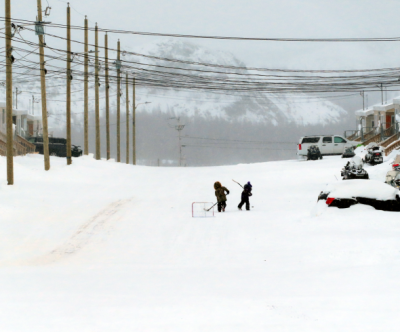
{"points": [[100, 246]]}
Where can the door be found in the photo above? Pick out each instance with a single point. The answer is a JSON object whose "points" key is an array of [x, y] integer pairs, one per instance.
{"points": [[338, 145], [327, 145], [388, 121]]}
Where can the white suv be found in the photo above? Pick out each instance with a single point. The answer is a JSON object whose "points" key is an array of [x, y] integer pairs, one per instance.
{"points": [[328, 144]]}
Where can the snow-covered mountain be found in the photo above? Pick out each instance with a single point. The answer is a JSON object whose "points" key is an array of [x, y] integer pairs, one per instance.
{"points": [[251, 106]]}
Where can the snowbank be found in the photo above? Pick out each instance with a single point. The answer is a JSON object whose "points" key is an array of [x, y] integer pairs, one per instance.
{"points": [[361, 188]]}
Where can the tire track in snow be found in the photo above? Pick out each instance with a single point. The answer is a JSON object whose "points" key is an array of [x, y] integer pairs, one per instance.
{"points": [[89, 232]]}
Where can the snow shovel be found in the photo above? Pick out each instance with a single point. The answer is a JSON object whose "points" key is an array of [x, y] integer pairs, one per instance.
{"points": [[237, 183], [211, 207]]}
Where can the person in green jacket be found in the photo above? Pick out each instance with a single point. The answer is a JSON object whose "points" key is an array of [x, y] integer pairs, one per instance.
{"points": [[221, 196]]}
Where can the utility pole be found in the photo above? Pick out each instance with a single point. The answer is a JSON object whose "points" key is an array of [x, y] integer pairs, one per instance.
{"points": [[179, 128], [127, 119], [385, 94], [45, 132], [16, 97], [69, 77], [96, 84], [86, 91], [362, 95], [107, 96], [118, 65], [134, 123], [382, 93], [10, 143]]}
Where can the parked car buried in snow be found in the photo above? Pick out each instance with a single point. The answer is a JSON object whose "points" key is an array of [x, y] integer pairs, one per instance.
{"points": [[57, 146], [374, 193], [354, 170]]}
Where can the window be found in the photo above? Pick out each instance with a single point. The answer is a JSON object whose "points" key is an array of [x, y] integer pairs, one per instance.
{"points": [[327, 140], [310, 140], [340, 140]]}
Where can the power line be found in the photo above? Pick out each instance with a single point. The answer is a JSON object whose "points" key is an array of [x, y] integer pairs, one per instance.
{"points": [[271, 39]]}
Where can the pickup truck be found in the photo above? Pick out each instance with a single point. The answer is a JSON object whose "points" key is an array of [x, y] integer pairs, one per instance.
{"points": [[327, 144]]}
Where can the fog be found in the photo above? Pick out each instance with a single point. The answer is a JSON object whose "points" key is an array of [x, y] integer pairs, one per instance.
{"points": [[157, 142]]}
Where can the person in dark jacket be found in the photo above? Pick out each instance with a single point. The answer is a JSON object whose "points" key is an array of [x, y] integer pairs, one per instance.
{"points": [[221, 196], [245, 196]]}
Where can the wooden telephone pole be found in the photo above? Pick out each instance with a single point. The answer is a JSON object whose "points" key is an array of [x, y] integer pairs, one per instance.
{"points": [[127, 118], [69, 77], [134, 123], [118, 64], [45, 132], [96, 84], [107, 96], [10, 143], [86, 92]]}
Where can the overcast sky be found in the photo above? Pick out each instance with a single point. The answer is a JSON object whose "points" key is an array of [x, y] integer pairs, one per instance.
{"points": [[250, 18]]}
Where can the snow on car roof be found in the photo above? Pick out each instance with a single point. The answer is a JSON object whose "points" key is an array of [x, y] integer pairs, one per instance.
{"points": [[361, 188]]}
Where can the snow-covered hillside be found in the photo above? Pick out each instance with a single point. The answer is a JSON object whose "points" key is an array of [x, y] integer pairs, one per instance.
{"points": [[101, 246], [298, 109]]}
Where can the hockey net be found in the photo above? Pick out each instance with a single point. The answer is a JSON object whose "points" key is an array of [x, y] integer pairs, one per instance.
{"points": [[199, 210]]}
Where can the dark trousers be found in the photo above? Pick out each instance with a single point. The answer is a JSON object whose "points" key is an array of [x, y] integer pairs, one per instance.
{"points": [[221, 205], [244, 200]]}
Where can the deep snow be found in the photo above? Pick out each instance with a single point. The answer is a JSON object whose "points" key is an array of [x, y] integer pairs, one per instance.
{"points": [[101, 246]]}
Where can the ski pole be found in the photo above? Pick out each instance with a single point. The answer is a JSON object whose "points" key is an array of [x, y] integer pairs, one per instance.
{"points": [[211, 207], [237, 183]]}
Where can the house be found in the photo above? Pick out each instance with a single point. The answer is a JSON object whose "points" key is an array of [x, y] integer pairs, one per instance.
{"points": [[26, 125], [379, 124]]}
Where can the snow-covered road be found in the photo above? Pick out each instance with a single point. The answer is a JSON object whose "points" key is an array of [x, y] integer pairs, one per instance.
{"points": [[98, 246]]}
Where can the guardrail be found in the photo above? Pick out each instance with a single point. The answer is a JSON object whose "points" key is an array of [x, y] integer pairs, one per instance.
{"points": [[369, 133], [21, 146], [391, 147], [351, 134], [23, 143], [389, 141], [376, 138]]}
